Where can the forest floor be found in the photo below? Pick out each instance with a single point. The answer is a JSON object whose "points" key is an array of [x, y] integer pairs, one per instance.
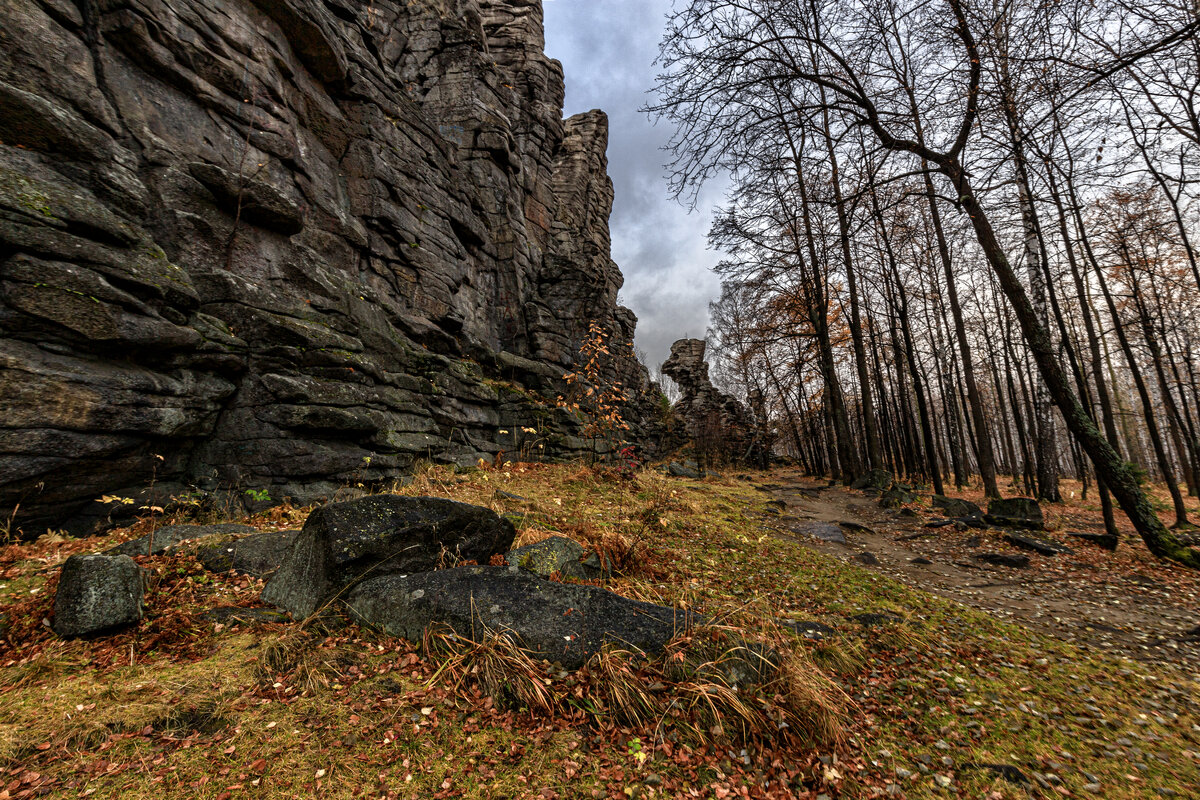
{"points": [[934, 680], [1127, 603]]}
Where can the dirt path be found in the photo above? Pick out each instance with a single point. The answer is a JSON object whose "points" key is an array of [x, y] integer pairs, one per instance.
{"points": [[1128, 604]]}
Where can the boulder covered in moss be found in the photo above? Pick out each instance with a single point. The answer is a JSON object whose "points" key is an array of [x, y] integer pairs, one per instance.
{"points": [[342, 543], [98, 593], [558, 622]]}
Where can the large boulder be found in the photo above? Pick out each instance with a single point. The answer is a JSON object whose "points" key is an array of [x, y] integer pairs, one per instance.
{"points": [[877, 480], [559, 622], [677, 470], [896, 497], [381, 535], [954, 507], [1016, 512], [97, 593], [258, 554], [559, 554], [170, 536]]}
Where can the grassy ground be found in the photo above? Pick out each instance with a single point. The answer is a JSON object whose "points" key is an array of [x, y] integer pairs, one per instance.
{"points": [[185, 706]]}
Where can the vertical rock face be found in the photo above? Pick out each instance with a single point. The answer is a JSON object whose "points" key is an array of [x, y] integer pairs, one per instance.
{"points": [[719, 425], [286, 244]]}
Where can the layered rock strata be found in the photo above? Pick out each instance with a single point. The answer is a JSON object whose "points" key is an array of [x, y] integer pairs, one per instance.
{"points": [[721, 428], [287, 245]]}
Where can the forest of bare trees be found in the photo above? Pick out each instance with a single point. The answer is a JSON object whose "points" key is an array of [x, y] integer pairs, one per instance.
{"points": [[961, 235]]}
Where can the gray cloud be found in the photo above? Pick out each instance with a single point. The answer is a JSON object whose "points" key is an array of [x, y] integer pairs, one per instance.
{"points": [[607, 48]]}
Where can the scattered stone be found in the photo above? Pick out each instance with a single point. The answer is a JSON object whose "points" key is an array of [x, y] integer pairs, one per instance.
{"points": [[869, 559], [1015, 512], [1006, 772], [857, 527], [677, 470], [1004, 560], [778, 504], [825, 531], [808, 628], [973, 542], [942, 781], [381, 535], [953, 507], [165, 538], [874, 619], [559, 622], [1046, 547], [561, 555], [876, 481], [896, 497], [258, 554], [98, 593], [503, 495], [231, 615], [920, 561], [1105, 541]]}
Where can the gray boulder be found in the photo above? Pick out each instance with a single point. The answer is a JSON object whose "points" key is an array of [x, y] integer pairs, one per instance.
{"points": [[562, 555], [258, 554], [342, 543], [678, 470], [559, 622], [1015, 561], [1047, 547], [877, 480], [897, 497], [166, 538], [825, 531], [1016, 512], [97, 593], [956, 508]]}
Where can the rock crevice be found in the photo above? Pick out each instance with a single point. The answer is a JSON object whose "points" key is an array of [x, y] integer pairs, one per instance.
{"points": [[287, 245]]}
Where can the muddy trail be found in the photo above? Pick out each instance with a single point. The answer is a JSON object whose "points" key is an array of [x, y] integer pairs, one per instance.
{"points": [[1126, 603]]}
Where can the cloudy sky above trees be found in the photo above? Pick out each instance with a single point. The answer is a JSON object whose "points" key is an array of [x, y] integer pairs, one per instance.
{"points": [[607, 48]]}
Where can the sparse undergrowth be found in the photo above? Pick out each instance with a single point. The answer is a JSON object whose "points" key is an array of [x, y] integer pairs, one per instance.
{"points": [[190, 706]]}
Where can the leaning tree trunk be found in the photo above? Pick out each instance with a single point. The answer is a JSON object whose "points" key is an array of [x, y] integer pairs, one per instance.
{"points": [[1114, 471]]}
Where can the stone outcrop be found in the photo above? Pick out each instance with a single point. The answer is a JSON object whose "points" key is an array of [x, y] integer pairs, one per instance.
{"points": [[720, 426], [287, 245]]}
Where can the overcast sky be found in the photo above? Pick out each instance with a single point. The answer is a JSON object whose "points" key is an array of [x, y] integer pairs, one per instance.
{"points": [[607, 48]]}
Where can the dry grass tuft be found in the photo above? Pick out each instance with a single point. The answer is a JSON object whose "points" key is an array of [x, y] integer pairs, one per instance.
{"points": [[497, 665], [621, 691], [298, 656]]}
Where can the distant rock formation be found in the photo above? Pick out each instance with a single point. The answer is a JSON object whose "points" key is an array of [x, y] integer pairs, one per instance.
{"points": [[287, 245], [721, 428]]}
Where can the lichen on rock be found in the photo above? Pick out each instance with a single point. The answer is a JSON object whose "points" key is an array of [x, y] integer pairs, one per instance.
{"points": [[286, 246]]}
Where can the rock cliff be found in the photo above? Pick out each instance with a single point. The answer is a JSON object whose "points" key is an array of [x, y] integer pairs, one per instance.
{"points": [[720, 427], [286, 245]]}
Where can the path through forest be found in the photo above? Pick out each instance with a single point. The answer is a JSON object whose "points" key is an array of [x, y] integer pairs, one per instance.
{"points": [[1128, 603]]}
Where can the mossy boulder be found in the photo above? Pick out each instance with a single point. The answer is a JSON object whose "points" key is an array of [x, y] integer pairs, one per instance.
{"points": [[98, 593], [559, 622], [1016, 512], [342, 543], [896, 497], [956, 508], [561, 555]]}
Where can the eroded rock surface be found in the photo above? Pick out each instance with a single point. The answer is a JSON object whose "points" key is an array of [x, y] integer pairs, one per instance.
{"points": [[342, 543], [563, 623], [288, 245], [719, 426], [98, 593]]}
